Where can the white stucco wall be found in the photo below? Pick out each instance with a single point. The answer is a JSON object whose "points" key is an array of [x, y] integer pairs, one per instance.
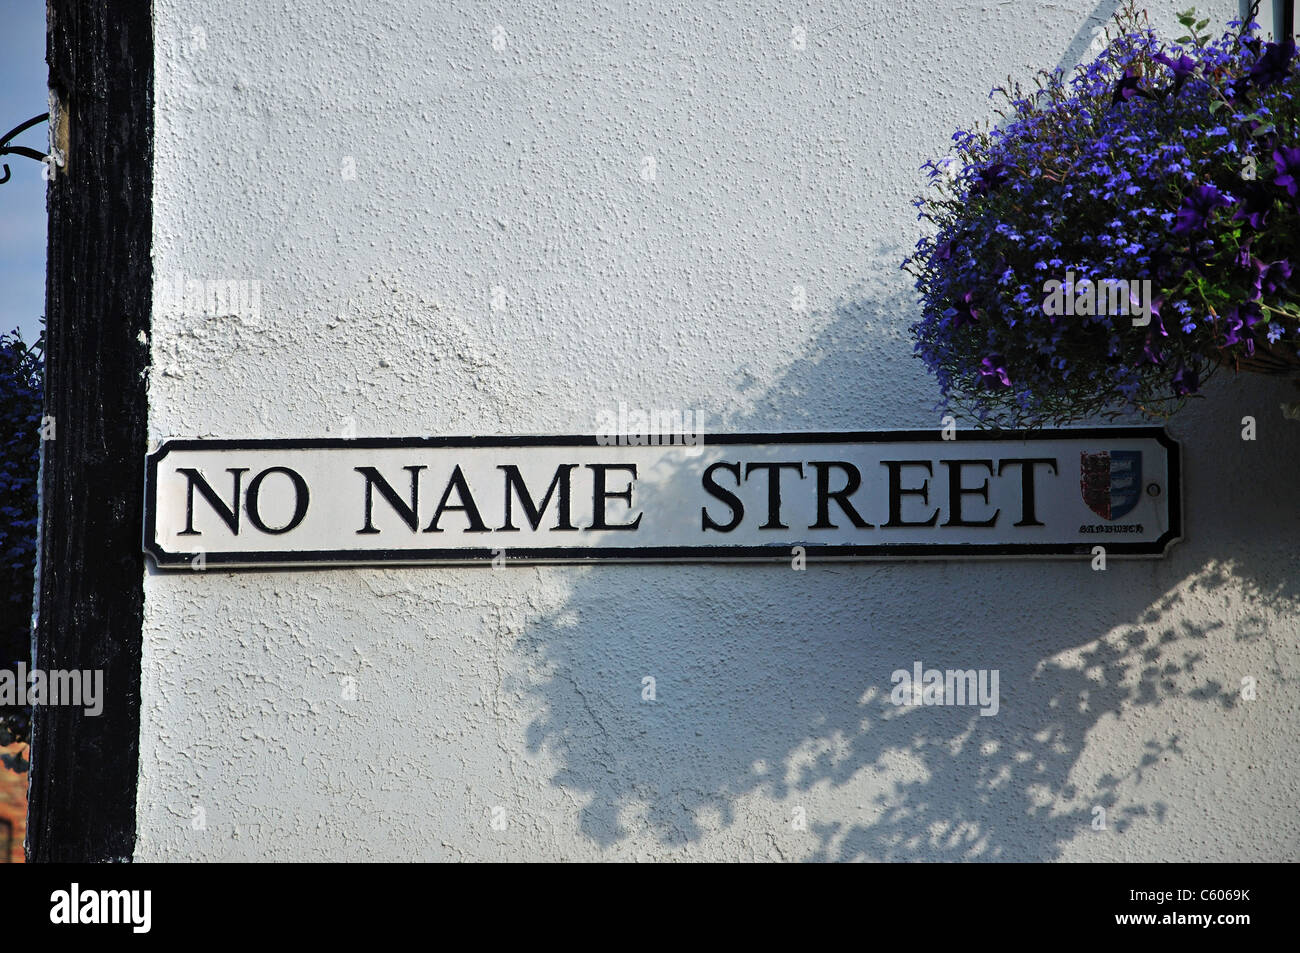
{"points": [[521, 688]]}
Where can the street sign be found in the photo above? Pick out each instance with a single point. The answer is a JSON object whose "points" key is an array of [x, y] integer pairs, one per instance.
{"points": [[717, 498]]}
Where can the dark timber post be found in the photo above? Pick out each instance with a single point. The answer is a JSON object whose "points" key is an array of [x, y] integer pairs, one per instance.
{"points": [[89, 595]]}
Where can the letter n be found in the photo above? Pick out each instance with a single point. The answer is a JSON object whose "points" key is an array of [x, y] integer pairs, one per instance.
{"points": [[374, 480], [229, 514]]}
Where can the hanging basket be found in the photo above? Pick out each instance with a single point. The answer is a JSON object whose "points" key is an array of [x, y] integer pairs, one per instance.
{"points": [[1165, 174], [1278, 359]]}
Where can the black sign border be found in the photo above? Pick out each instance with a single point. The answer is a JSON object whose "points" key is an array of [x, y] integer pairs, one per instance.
{"points": [[571, 556]]}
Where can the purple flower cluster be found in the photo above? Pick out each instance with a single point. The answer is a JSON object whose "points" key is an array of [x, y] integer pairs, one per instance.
{"points": [[1177, 164]]}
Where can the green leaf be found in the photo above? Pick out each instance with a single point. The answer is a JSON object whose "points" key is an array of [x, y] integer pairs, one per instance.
{"points": [[1183, 39]]}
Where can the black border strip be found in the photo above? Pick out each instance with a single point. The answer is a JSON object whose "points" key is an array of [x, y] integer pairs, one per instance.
{"points": [[90, 584], [306, 559]]}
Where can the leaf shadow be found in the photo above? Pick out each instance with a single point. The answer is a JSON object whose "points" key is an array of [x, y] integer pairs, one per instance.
{"points": [[773, 685]]}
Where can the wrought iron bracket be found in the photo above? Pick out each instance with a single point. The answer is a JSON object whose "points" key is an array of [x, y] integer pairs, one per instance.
{"points": [[6, 149]]}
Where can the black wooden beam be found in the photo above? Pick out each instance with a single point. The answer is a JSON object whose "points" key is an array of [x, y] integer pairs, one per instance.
{"points": [[90, 577]]}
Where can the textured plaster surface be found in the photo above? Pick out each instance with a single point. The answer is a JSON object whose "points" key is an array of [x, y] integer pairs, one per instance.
{"points": [[517, 694]]}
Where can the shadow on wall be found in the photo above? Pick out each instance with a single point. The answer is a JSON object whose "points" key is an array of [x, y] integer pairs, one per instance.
{"points": [[772, 683]]}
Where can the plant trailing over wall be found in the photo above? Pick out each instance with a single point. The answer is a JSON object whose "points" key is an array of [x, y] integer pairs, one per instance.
{"points": [[1122, 233], [21, 370]]}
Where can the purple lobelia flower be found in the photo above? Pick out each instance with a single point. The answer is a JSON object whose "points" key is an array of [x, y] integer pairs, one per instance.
{"points": [[1196, 209], [1274, 64], [993, 372], [1287, 163]]}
